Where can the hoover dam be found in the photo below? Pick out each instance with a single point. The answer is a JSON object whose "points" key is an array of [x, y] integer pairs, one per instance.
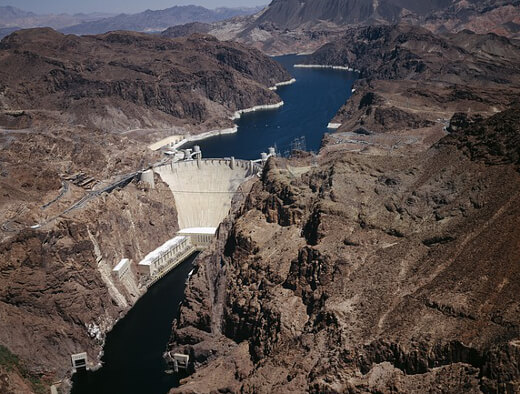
{"points": [[203, 189]]}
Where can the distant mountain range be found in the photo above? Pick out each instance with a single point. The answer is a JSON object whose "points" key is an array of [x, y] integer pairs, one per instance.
{"points": [[155, 21], [12, 18]]}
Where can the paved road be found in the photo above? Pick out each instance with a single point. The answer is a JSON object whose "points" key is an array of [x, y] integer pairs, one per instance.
{"points": [[64, 190]]}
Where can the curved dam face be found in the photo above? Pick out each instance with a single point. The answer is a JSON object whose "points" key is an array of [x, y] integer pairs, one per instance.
{"points": [[203, 189]]}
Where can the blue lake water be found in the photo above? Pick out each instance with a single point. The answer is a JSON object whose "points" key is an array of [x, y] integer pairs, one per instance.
{"points": [[132, 361], [310, 104]]}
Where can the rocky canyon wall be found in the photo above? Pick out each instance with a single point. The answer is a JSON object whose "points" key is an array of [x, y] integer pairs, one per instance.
{"points": [[369, 272], [65, 138]]}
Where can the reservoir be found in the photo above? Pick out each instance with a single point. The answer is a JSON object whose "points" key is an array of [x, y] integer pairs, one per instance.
{"points": [[309, 105], [132, 361]]}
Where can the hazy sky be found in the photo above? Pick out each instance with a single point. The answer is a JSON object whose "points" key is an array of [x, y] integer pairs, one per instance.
{"points": [[128, 6]]}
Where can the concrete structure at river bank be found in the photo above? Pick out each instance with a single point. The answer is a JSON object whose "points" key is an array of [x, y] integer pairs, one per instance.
{"points": [[203, 191]]}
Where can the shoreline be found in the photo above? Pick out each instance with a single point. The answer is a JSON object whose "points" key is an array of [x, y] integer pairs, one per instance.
{"points": [[344, 68], [204, 135], [229, 130], [238, 114], [285, 83]]}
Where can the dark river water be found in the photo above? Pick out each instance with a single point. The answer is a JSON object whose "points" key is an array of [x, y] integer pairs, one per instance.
{"points": [[310, 104], [132, 361]]}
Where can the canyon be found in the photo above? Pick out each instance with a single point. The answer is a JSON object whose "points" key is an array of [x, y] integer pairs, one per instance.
{"points": [[77, 120], [370, 273], [386, 262]]}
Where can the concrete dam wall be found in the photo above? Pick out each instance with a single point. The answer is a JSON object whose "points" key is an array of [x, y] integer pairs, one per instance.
{"points": [[203, 189]]}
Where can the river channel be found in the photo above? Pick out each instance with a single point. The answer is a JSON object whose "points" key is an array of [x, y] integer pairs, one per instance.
{"points": [[132, 360]]}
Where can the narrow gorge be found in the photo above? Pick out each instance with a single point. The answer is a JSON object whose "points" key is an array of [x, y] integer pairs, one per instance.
{"points": [[389, 262]]}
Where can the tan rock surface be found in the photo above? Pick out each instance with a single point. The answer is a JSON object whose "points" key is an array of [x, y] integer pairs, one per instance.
{"points": [[399, 273], [78, 121]]}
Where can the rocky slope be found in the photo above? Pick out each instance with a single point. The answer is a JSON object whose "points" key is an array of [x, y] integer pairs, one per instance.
{"points": [[369, 273], [58, 295], [292, 14], [391, 265], [500, 17], [124, 80], [61, 143], [291, 26], [403, 51], [413, 81]]}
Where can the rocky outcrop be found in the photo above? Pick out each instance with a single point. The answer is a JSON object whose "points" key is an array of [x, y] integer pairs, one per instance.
{"points": [[494, 140], [138, 80], [368, 272], [412, 81], [291, 26]]}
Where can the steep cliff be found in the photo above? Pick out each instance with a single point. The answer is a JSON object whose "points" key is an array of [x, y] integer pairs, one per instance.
{"points": [[368, 273]]}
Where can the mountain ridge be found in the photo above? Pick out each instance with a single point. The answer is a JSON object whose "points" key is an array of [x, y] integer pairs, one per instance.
{"points": [[158, 20], [293, 26]]}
